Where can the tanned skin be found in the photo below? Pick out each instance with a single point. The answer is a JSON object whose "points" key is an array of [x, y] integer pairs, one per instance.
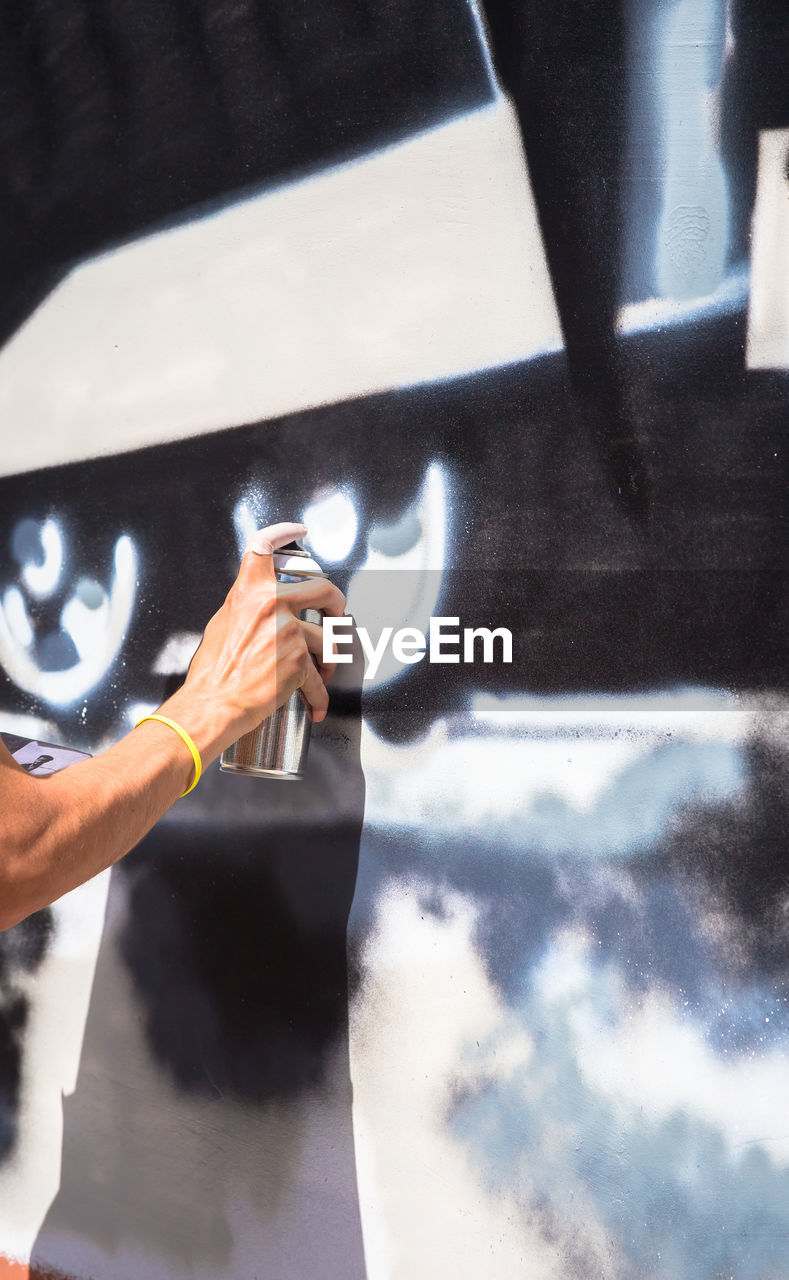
{"points": [[58, 832]]}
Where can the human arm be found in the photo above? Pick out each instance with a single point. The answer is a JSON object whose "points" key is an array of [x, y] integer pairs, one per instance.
{"points": [[59, 831]]}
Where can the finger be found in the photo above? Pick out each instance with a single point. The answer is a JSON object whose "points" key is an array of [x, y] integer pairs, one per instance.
{"points": [[266, 541], [259, 555], [325, 669], [313, 634], [314, 692], [313, 593]]}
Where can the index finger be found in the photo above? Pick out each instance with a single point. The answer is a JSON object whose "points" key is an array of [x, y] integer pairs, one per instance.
{"points": [[259, 554], [266, 541]]}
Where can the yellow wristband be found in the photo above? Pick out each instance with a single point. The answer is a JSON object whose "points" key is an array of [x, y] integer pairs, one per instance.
{"points": [[187, 741]]}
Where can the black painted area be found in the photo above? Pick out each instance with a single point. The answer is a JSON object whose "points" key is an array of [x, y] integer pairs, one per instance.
{"points": [[735, 857], [236, 944], [564, 67], [696, 594], [22, 949], [116, 115], [755, 96], [568, 68], [238, 907]]}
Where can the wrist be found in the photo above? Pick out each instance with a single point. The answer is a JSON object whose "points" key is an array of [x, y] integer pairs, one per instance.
{"points": [[197, 763], [198, 715]]}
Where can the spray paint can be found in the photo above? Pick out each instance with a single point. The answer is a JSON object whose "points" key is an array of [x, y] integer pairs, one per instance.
{"points": [[278, 747]]}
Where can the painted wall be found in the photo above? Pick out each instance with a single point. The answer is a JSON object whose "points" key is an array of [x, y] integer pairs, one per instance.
{"points": [[496, 299]]}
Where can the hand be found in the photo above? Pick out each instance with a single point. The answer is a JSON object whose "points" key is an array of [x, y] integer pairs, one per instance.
{"points": [[256, 651]]}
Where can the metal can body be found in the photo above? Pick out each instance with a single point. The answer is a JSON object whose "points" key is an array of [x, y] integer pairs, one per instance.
{"points": [[278, 747]]}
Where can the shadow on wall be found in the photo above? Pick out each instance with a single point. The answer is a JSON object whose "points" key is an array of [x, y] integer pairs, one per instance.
{"points": [[236, 946], [212, 1116]]}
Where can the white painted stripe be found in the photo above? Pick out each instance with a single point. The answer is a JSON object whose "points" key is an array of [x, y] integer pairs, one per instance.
{"points": [[420, 262], [768, 316], [662, 313]]}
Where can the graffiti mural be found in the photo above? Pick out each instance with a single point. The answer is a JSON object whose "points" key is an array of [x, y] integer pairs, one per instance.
{"points": [[492, 298]]}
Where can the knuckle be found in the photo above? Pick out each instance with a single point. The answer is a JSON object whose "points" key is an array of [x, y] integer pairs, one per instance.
{"points": [[295, 660], [287, 624], [334, 597]]}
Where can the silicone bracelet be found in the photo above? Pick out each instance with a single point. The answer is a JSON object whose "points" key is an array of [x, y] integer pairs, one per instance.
{"points": [[187, 741]]}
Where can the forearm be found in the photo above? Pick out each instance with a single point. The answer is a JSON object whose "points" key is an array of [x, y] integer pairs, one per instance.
{"points": [[255, 652], [67, 828]]}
